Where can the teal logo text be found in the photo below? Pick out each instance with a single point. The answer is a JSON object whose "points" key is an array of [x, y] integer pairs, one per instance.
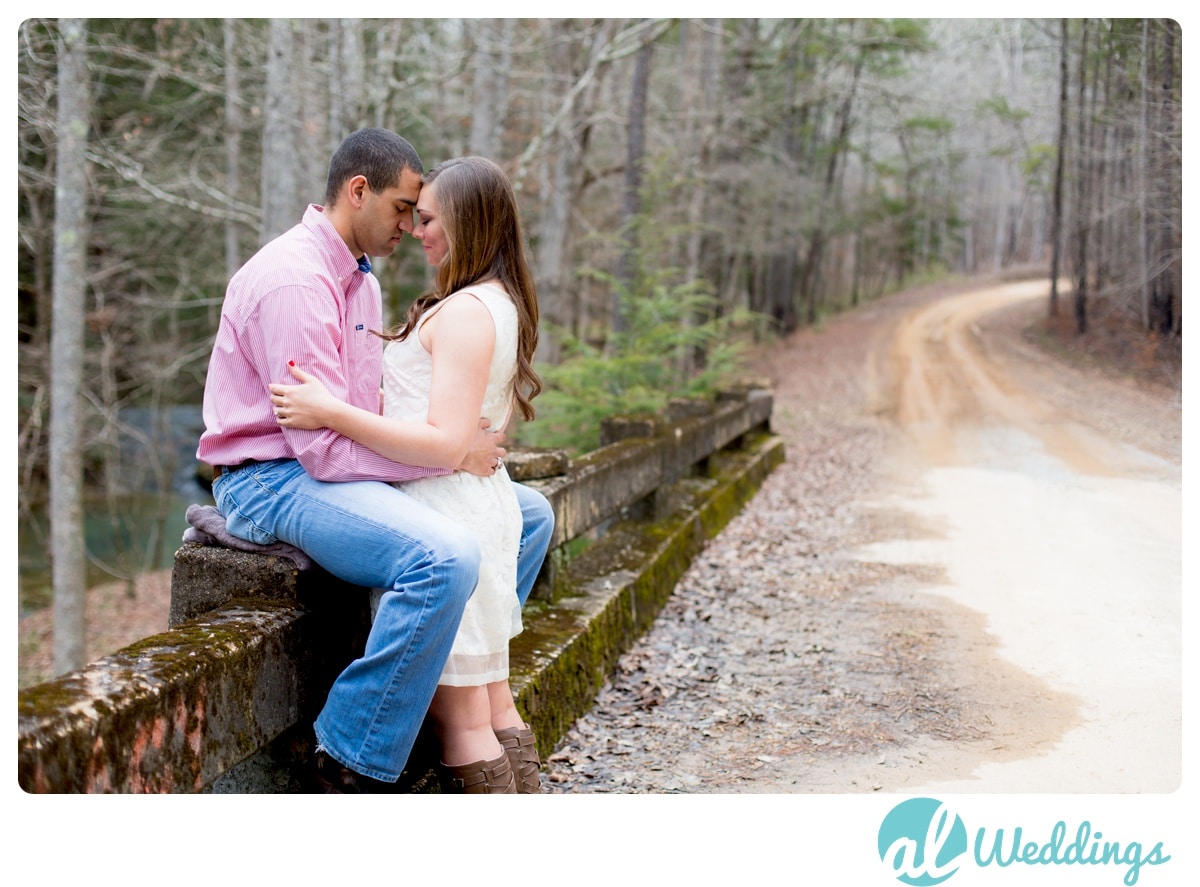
{"points": [[922, 842]]}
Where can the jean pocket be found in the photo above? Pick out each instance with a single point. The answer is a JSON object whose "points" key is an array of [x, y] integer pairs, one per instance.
{"points": [[243, 528]]}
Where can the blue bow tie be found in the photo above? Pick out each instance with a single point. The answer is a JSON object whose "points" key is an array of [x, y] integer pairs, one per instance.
{"points": [[364, 265]]}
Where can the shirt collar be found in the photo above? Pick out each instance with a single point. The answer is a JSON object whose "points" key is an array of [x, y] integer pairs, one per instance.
{"points": [[344, 262]]}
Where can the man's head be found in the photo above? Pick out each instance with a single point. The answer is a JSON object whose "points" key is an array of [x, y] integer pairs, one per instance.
{"points": [[379, 155], [374, 181]]}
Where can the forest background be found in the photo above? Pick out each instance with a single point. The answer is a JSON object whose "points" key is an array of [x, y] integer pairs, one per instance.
{"points": [[688, 186]]}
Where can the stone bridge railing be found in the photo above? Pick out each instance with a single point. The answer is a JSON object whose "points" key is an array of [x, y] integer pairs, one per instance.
{"points": [[223, 701]]}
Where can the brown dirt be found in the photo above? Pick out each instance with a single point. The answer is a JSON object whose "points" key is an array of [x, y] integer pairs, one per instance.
{"points": [[117, 615]]}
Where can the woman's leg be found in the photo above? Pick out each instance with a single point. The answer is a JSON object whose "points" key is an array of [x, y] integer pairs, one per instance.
{"points": [[516, 737], [504, 713], [463, 719], [473, 760]]}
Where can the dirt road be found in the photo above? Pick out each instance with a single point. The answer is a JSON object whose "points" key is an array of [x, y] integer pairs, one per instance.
{"points": [[1058, 496], [967, 577]]}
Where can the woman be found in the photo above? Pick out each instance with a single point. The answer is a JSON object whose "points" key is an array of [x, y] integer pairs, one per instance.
{"points": [[465, 350]]}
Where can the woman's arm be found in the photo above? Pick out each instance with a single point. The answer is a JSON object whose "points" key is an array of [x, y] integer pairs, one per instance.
{"points": [[461, 339]]}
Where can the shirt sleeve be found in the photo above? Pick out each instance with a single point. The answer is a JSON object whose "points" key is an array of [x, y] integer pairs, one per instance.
{"points": [[305, 325]]}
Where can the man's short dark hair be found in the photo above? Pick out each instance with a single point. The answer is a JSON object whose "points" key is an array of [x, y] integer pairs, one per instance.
{"points": [[378, 154]]}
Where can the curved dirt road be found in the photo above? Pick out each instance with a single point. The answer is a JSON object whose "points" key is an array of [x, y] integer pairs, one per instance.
{"points": [[1057, 497], [966, 577]]}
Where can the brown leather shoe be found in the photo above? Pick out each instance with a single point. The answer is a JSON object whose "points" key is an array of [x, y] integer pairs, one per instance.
{"points": [[520, 745], [333, 778], [493, 777]]}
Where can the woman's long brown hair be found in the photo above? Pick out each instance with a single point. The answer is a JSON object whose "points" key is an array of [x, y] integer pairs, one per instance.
{"points": [[478, 212]]}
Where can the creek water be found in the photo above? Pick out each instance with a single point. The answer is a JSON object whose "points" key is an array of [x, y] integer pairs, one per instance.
{"points": [[139, 533]]}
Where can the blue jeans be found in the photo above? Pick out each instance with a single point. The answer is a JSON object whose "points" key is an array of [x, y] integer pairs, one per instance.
{"points": [[371, 534]]}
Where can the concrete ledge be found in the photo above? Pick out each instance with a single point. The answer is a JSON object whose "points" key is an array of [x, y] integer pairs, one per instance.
{"points": [[250, 576], [164, 698], [176, 711]]}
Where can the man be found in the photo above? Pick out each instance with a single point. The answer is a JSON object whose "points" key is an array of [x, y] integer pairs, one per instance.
{"points": [[309, 297]]}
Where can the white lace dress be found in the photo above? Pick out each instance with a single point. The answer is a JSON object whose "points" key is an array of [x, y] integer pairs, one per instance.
{"points": [[486, 506]]}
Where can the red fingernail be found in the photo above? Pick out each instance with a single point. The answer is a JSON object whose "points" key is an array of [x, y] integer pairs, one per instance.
{"points": [[291, 363]]}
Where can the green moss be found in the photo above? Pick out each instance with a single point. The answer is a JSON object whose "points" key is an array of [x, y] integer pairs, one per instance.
{"points": [[46, 699]]}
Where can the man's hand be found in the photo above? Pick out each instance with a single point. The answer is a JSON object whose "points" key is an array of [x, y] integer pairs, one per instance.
{"points": [[483, 459]]}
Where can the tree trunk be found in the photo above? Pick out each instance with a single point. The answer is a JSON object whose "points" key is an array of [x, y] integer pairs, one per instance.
{"points": [[631, 202], [811, 279], [1082, 211], [699, 97], [347, 92], [233, 154], [779, 279], [732, 265], [71, 233], [1143, 227], [490, 63], [567, 132], [701, 100], [280, 182], [1064, 79], [1099, 178], [325, 93], [1168, 285]]}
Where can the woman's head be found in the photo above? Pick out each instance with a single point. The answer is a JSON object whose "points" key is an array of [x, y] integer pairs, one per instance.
{"points": [[469, 226], [468, 211]]}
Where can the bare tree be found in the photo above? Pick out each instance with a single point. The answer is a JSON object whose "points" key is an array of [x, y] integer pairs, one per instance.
{"points": [[66, 348], [779, 274], [1064, 82], [233, 149], [581, 55], [347, 70], [699, 95], [631, 202], [280, 171], [319, 78], [1082, 203], [829, 195], [491, 61], [1167, 229], [699, 45]]}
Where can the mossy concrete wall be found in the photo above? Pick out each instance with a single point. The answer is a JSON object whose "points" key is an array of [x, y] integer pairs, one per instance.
{"points": [[612, 591], [224, 700]]}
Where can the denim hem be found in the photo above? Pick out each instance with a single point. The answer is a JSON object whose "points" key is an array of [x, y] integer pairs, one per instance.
{"points": [[323, 746]]}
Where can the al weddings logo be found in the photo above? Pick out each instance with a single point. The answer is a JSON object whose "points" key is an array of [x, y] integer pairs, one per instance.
{"points": [[922, 841]]}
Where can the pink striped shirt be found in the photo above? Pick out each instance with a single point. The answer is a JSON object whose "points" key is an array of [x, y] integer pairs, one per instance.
{"points": [[301, 298]]}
